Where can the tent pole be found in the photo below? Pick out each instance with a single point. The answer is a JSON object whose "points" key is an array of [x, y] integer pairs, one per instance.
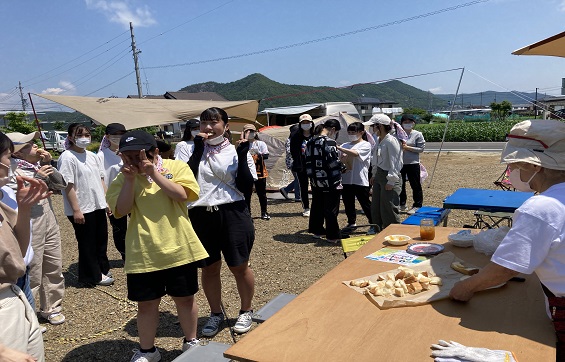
{"points": [[446, 125], [36, 121]]}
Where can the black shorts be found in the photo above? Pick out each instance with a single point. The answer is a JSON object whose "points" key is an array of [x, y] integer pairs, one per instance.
{"points": [[228, 230], [180, 281]]}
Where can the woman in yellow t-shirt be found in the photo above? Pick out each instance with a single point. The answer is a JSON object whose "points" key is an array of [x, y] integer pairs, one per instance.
{"points": [[161, 245]]}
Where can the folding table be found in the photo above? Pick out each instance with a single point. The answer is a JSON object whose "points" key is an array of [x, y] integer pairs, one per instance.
{"points": [[493, 206]]}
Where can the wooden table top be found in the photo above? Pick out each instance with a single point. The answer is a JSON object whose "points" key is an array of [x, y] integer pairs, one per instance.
{"points": [[331, 322]]}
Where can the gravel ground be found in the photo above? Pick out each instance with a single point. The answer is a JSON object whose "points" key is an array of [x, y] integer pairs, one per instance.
{"points": [[101, 323]]}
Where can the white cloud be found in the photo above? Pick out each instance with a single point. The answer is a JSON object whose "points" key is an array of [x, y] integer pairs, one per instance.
{"points": [[120, 12], [64, 86], [344, 82], [435, 90]]}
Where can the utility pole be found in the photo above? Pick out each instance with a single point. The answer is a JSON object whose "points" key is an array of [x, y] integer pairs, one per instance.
{"points": [[536, 106], [481, 99], [24, 101], [135, 53]]}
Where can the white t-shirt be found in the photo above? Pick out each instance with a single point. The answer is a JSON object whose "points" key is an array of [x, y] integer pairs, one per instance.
{"points": [[536, 241], [359, 173], [216, 178], [258, 147], [9, 198], [112, 164], [84, 170], [184, 150]]}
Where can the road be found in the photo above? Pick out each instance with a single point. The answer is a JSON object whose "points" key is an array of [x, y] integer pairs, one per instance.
{"points": [[466, 146]]}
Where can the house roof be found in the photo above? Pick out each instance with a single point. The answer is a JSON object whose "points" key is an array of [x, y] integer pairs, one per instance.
{"points": [[200, 96]]}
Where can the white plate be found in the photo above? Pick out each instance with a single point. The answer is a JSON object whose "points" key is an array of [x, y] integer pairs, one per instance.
{"points": [[397, 239]]}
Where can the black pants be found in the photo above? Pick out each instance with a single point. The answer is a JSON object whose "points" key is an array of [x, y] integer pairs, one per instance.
{"points": [[119, 229], [325, 207], [303, 182], [261, 190], [92, 238], [412, 172], [349, 193]]}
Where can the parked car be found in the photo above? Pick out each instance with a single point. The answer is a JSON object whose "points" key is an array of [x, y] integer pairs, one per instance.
{"points": [[54, 140]]}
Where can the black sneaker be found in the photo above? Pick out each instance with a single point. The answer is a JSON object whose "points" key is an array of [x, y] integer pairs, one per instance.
{"points": [[265, 216]]}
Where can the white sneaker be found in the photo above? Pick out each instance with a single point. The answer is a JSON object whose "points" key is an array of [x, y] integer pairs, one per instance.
{"points": [[186, 345], [244, 322], [306, 213], [413, 210], [213, 324], [106, 281], [146, 357], [402, 208]]}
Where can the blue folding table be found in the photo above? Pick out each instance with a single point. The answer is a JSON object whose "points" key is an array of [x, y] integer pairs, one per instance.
{"points": [[496, 205]]}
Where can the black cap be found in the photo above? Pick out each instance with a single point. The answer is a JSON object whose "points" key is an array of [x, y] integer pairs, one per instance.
{"points": [[137, 140], [193, 123], [114, 128]]}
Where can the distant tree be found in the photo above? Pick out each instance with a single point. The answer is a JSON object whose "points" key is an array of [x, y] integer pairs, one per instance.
{"points": [[18, 122], [499, 111], [98, 133], [59, 126]]}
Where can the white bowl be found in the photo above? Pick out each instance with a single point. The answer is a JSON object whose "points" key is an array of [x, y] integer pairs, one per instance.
{"points": [[397, 239], [461, 240]]}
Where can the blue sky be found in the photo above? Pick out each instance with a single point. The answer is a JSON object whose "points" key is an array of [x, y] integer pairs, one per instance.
{"points": [[80, 47]]}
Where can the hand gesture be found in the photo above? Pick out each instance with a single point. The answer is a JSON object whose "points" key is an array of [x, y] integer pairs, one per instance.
{"points": [[45, 171], [128, 170], [145, 166], [12, 355], [27, 196]]}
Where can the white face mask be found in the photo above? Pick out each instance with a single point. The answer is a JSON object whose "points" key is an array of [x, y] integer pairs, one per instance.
{"points": [[215, 141], [114, 139], [194, 133], [517, 182], [82, 142], [306, 126], [353, 137], [408, 126]]}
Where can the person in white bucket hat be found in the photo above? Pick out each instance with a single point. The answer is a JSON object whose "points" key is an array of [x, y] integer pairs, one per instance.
{"points": [[535, 153]]}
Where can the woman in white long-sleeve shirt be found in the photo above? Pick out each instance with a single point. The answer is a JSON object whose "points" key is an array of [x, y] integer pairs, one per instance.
{"points": [[387, 163], [412, 148]]}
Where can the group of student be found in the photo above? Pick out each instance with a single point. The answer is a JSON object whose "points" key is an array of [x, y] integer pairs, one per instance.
{"points": [[202, 214], [384, 158]]}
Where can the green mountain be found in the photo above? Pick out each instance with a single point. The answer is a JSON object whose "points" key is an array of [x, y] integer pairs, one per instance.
{"points": [[274, 94]]}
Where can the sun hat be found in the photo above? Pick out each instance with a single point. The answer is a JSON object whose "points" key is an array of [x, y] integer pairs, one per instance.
{"points": [[249, 126], [20, 140], [305, 117], [137, 140], [380, 118], [539, 142]]}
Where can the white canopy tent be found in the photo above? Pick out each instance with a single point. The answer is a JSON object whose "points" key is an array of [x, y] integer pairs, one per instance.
{"points": [[275, 138], [143, 112]]}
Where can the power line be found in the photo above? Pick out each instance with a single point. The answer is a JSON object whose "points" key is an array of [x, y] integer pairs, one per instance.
{"points": [[72, 60], [109, 84], [284, 47], [121, 55], [78, 65], [186, 22], [358, 84]]}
